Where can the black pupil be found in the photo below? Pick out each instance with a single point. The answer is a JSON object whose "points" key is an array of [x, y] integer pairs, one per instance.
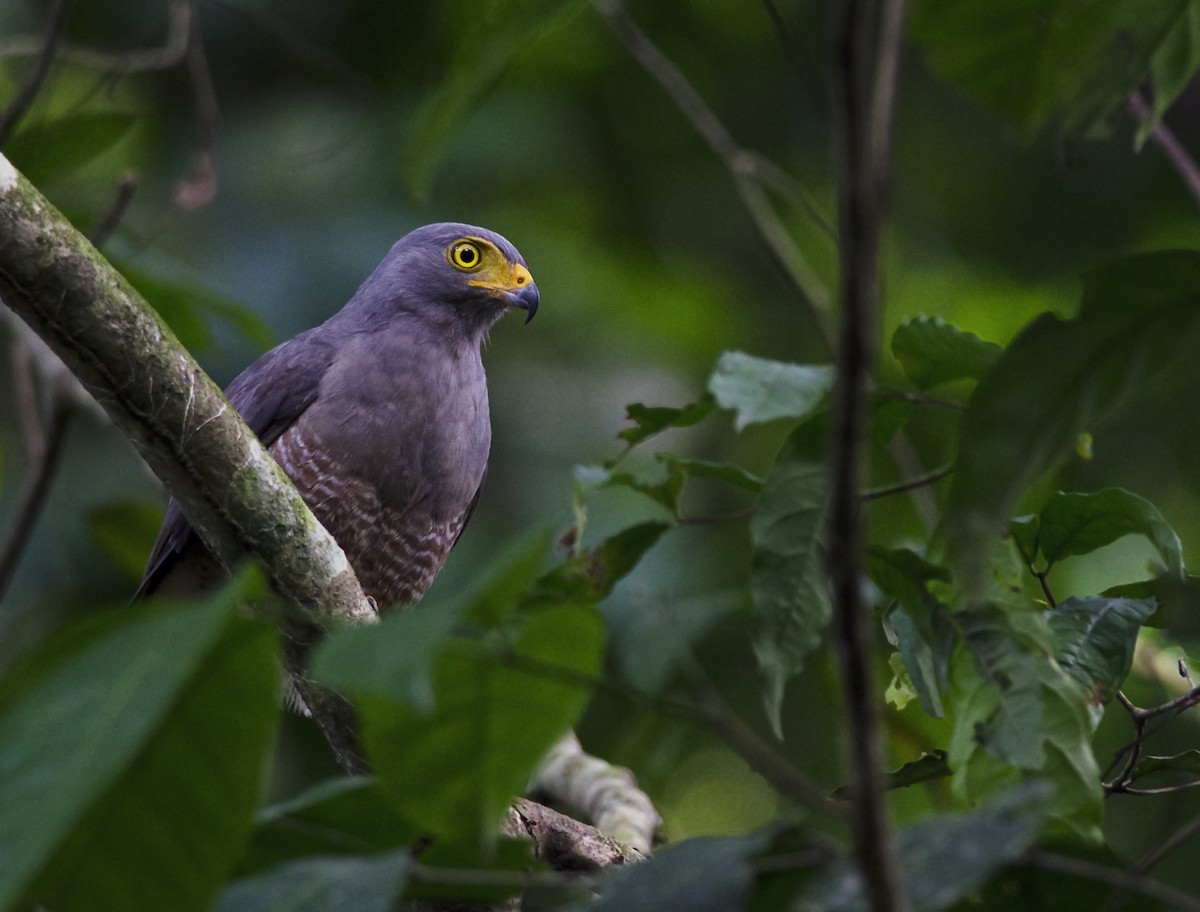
{"points": [[467, 256]]}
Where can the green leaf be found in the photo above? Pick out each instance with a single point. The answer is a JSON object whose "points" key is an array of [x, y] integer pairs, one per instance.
{"points": [[917, 624], [1172, 67], [926, 767], [931, 351], [46, 150], [945, 858], [453, 771], [1094, 639], [1017, 716], [705, 874], [759, 390], [590, 574], [1177, 601], [394, 658], [126, 532], [132, 753], [1002, 709], [322, 884], [1186, 762], [487, 36], [718, 471], [1055, 380], [787, 574], [651, 420], [1080, 523], [1042, 60], [344, 816]]}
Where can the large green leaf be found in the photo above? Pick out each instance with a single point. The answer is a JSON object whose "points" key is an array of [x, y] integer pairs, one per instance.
{"points": [[1043, 60], [1094, 640], [999, 708], [393, 659], [931, 351], [1080, 523], [497, 709], [787, 574], [485, 38], [1057, 379], [758, 390], [945, 858], [1017, 716], [132, 756], [589, 574], [322, 884]]}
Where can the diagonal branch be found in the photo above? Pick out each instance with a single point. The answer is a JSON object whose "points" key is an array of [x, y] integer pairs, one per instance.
{"points": [[28, 92], [235, 495]]}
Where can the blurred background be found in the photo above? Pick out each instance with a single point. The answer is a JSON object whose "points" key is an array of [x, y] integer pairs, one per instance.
{"points": [[278, 157]]}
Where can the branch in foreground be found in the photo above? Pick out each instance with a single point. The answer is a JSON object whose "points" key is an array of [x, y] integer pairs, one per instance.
{"points": [[866, 51], [238, 499]]}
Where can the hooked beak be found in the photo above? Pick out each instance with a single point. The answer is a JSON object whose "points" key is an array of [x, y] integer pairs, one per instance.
{"points": [[516, 289], [526, 297]]}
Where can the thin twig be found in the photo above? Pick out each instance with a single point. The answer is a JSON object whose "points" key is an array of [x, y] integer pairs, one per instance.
{"points": [[866, 54], [1132, 882], [1148, 861], [736, 516], [36, 492], [27, 94], [920, 399], [160, 58], [911, 485], [108, 222], [742, 165], [1183, 163]]}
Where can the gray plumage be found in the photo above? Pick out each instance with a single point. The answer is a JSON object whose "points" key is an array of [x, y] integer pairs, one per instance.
{"points": [[380, 414]]}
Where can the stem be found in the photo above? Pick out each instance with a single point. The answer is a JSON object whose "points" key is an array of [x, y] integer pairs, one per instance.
{"points": [[28, 92], [1134, 883], [911, 485], [863, 103], [1184, 165], [36, 493]]}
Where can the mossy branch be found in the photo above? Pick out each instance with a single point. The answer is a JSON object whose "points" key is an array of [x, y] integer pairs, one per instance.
{"points": [[238, 499]]}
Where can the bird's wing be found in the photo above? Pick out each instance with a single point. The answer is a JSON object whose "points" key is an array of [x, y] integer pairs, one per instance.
{"points": [[270, 395], [470, 509]]}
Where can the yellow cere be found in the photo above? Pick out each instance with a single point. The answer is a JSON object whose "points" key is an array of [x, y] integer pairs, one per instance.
{"points": [[483, 258]]}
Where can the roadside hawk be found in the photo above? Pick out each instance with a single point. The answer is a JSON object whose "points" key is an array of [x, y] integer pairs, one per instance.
{"points": [[380, 414]]}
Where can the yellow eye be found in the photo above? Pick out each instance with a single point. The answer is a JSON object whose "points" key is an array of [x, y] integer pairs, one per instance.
{"points": [[466, 256]]}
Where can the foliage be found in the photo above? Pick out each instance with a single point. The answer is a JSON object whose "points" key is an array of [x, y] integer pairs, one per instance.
{"points": [[682, 622]]}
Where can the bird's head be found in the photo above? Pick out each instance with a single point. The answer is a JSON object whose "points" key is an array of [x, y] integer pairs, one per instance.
{"points": [[452, 273]]}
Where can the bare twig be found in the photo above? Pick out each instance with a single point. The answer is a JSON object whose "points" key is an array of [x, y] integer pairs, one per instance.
{"points": [[911, 485], [866, 53], [36, 491], [1148, 861], [159, 58], [1126, 880], [27, 94], [743, 166], [1132, 751], [109, 221], [1183, 163]]}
